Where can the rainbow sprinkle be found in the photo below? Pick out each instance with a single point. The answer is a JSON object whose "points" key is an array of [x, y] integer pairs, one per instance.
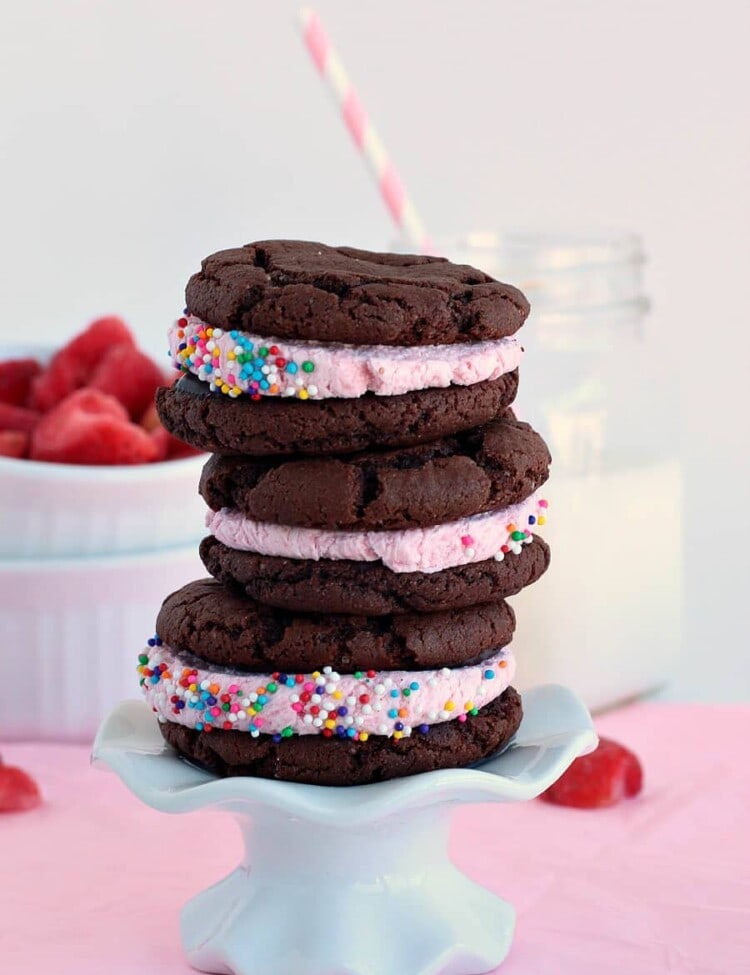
{"points": [[233, 364], [516, 538], [322, 702]]}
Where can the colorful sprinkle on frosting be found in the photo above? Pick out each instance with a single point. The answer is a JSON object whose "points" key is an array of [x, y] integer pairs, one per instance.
{"points": [[477, 538], [186, 690], [238, 363], [233, 362]]}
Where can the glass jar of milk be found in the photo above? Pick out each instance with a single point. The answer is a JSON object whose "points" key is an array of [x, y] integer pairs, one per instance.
{"points": [[605, 618]]}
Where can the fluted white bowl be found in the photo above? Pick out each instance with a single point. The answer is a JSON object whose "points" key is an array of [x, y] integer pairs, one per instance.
{"points": [[63, 510], [70, 634]]}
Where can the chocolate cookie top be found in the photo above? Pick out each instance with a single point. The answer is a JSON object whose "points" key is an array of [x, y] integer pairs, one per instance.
{"points": [[481, 469], [229, 629], [306, 290]]}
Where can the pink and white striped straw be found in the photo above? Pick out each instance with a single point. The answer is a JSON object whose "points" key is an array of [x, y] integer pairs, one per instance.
{"points": [[362, 131]]}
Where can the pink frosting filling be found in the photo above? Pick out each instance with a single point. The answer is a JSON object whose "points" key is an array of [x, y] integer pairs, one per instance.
{"points": [[234, 363], [185, 690], [474, 539]]}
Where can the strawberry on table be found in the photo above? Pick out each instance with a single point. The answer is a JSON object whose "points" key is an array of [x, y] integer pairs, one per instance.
{"points": [[72, 366], [18, 791], [15, 380], [90, 427], [609, 774], [14, 443]]}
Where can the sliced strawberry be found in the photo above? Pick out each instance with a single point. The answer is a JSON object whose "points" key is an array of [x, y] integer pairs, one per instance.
{"points": [[603, 778], [169, 447], [92, 401], [150, 419], [90, 427], [74, 363], [18, 791], [177, 449], [15, 380], [14, 443], [17, 418], [160, 438], [130, 376]]}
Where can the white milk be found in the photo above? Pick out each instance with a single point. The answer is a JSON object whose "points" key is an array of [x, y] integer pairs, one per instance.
{"points": [[605, 617]]}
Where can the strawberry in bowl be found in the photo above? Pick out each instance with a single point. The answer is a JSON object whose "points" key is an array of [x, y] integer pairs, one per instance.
{"points": [[91, 404], [86, 468]]}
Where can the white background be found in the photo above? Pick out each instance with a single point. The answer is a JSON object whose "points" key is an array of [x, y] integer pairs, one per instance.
{"points": [[137, 137]]}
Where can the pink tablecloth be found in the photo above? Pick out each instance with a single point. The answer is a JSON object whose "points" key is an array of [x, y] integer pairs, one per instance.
{"points": [[92, 883]]}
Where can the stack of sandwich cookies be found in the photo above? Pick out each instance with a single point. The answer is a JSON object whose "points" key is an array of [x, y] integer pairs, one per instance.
{"points": [[370, 508], [385, 349]]}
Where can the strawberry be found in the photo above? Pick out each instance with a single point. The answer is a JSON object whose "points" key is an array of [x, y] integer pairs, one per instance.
{"points": [[15, 380], [129, 375], [160, 439], [169, 447], [150, 419], [17, 418], [18, 791], [177, 449], [90, 427], [603, 778], [74, 363], [14, 443]]}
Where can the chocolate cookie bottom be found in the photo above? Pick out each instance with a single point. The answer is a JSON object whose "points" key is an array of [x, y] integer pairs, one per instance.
{"points": [[332, 761], [215, 423], [369, 588]]}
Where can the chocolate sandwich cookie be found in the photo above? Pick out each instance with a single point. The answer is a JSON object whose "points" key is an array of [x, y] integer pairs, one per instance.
{"points": [[309, 291], [220, 424], [468, 473], [229, 629], [369, 588], [335, 761]]}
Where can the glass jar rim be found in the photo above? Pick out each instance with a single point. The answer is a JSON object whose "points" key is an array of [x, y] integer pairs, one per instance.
{"points": [[630, 310], [548, 250]]}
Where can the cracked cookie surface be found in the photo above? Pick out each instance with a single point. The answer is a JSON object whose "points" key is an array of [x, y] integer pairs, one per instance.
{"points": [[478, 470], [218, 424], [229, 629], [369, 588], [310, 291]]}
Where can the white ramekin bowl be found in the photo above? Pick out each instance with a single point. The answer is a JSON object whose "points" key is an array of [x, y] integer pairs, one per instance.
{"points": [[70, 634], [67, 510]]}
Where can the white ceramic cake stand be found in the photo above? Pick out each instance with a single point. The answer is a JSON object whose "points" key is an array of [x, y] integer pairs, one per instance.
{"points": [[348, 881]]}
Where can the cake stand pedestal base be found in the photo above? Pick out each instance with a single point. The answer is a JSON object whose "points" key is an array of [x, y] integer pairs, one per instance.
{"points": [[348, 881], [379, 900]]}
